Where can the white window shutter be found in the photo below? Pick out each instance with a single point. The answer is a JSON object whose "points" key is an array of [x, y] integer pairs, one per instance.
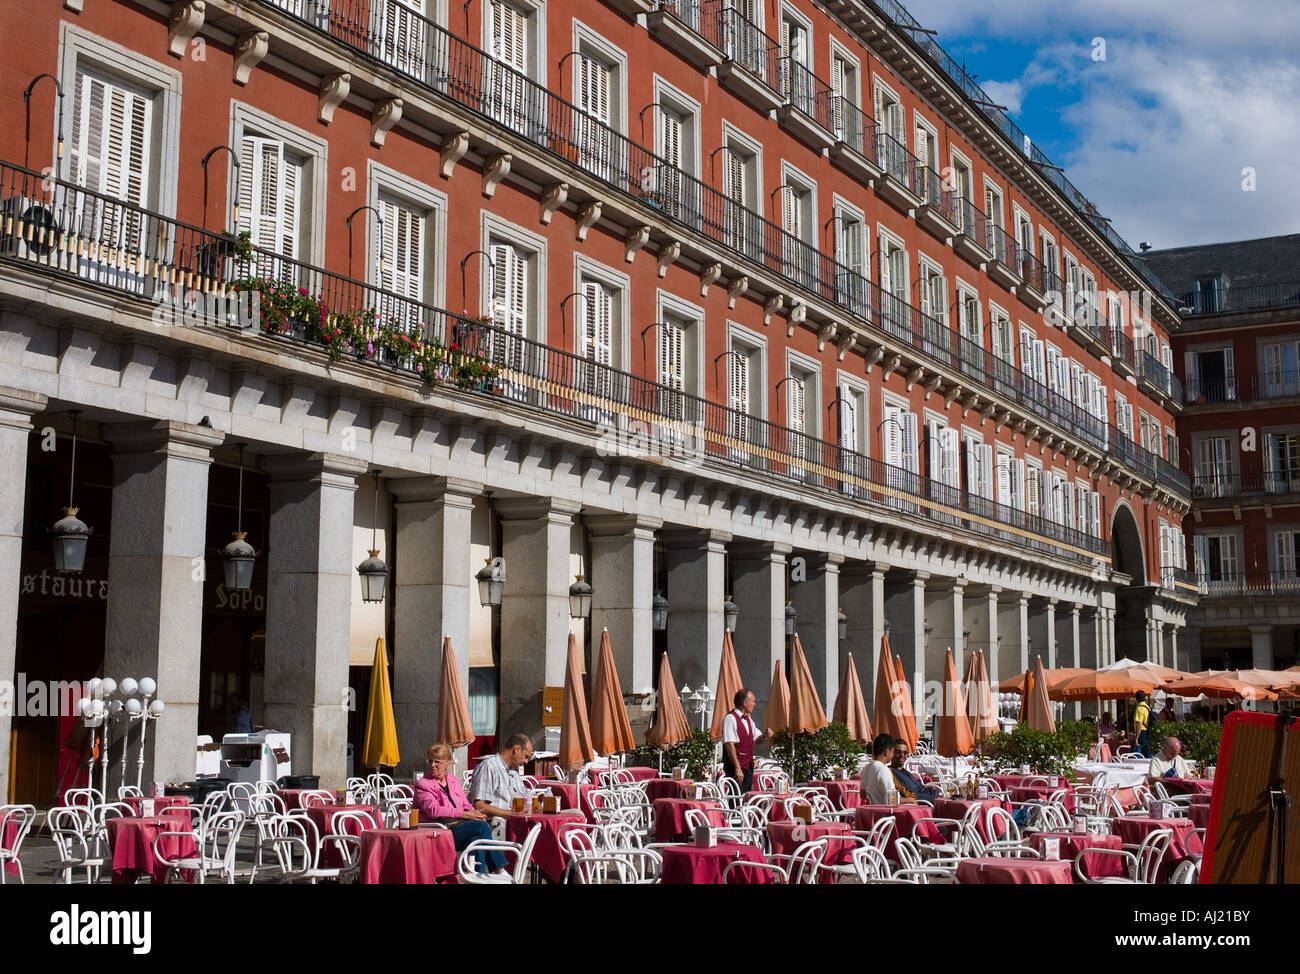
{"points": [[1003, 477], [986, 465], [1033, 491], [1230, 375], [848, 408], [909, 442], [893, 430], [934, 449], [798, 406]]}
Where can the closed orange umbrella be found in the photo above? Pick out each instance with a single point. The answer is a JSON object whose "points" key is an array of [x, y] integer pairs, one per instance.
{"points": [[575, 732], [806, 712], [908, 715], [611, 731], [1038, 707], [776, 715], [952, 733], [454, 726], [1103, 685], [979, 702], [850, 706], [670, 724], [727, 687], [1220, 686], [888, 708]]}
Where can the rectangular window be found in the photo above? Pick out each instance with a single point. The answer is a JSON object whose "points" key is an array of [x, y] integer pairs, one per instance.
{"points": [[402, 35], [511, 300], [270, 179], [402, 270], [1034, 489], [889, 116], [1282, 463], [844, 87], [598, 302], [506, 85], [1218, 567], [1286, 558], [1281, 373], [851, 261], [933, 292], [893, 287], [594, 118]]}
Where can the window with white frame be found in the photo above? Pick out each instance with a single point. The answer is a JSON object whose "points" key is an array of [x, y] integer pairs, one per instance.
{"points": [[512, 42], [852, 424], [1210, 374], [1286, 557], [1123, 415], [851, 255], [744, 392], [898, 435], [272, 180], [1280, 375], [1218, 562], [893, 285], [844, 98], [1034, 488], [1048, 255], [968, 315], [676, 335], [943, 452], [512, 299], [932, 289], [1282, 462], [1001, 335], [1033, 356], [978, 466], [1008, 477], [740, 185], [1214, 465], [798, 213], [1082, 510], [401, 32], [889, 114], [599, 312]]}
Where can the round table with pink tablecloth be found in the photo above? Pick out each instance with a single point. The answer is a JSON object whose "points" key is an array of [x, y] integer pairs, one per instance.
{"points": [[670, 817], [844, 793], [1132, 829], [160, 805], [687, 865], [1073, 843], [1005, 871], [1040, 793], [1188, 786], [407, 856], [958, 807], [548, 854], [667, 788], [906, 819], [568, 794], [322, 817], [638, 774], [130, 840], [786, 837]]}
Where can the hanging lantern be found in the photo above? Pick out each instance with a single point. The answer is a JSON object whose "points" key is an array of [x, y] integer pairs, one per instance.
{"points": [[659, 613], [71, 534], [373, 571], [730, 613], [579, 598], [491, 582], [843, 625], [791, 619], [238, 556]]}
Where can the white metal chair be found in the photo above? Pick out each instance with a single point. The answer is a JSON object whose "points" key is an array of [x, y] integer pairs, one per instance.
{"points": [[879, 834], [318, 797], [1009, 842], [804, 864], [1142, 863], [740, 867], [628, 867], [83, 797], [129, 791], [1186, 873], [729, 790], [216, 843], [15, 821], [521, 851], [74, 832], [869, 863]]}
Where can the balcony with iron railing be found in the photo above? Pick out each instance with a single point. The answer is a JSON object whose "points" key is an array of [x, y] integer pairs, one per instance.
{"points": [[690, 28], [901, 182], [1179, 579], [1205, 391], [938, 209], [1037, 282], [753, 65], [1161, 378], [1213, 485], [1214, 584], [1004, 269], [450, 67], [1122, 350], [217, 280], [972, 241], [809, 114], [854, 150], [1275, 384], [1238, 299]]}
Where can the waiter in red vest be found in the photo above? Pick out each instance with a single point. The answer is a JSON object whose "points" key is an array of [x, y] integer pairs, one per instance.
{"points": [[739, 735]]}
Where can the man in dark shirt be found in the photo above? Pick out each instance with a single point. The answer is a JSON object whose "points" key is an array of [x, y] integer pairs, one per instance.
{"points": [[910, 786]]}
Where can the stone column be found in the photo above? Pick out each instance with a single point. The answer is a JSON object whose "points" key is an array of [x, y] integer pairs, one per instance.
{"points": [[622, 582], [1068, 638], [1261, 647], [1090, 638], [1042, 632], [758, 573], [1155, 642], [946, 615], [817, 600], [980, 609], [857, 600], [16, 410], [433, 582], [1192, 640], [905, 610], [1013, 627], [536, 542], [309, 607], [696, 565], [1172, 632], [156, 567]]}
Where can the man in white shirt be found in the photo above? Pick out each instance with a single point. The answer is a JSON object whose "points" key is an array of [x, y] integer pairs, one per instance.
{"points": [[877, 780], [496, 781], [1169, 763], [739, 735]]}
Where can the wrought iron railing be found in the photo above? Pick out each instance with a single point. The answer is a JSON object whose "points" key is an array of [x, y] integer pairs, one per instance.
{"points": [[1212, 584], [972, 223], [468, 76], [1155, 372], [201, 278], [808, 93], [1210, 390], [1218, 484], [1173, 577], [1238, 298], [937, 196], [899, 163], [854, 128], [1276, 384], [1032, 271], [700, 16], [1002, 246]]}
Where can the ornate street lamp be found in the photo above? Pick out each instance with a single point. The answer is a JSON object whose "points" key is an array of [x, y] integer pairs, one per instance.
{"points": [[491, 582], [579, 598], [791, 619], [373, 571], [843, 625], [238, 555], [659, 613], [730, 613], [71, 533]]}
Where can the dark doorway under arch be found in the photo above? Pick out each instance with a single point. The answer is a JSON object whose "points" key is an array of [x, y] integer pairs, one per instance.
{"points": [[1132, 602], [1126, 546]]}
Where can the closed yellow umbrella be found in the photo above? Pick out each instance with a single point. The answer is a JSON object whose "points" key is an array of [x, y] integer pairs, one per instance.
{"points": [[776, 715], [454, 726], [1038, 707], [575, 732], [952, 733], [670, 724], [727, 687], [850, 706], [380, 746], [806, 711], [611, 731]]}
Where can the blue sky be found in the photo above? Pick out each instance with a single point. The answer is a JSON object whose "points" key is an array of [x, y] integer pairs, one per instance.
{"points": [[1192, 101]]}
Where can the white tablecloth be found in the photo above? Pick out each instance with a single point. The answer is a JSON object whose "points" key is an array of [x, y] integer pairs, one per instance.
{"points": [[1124, 775]]}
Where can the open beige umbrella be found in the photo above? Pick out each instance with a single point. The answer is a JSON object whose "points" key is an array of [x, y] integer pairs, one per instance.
{"points": [[728, 685], [1102, 685], [1220, 686], [575, 732], [1038, 708], [670, 724], [952, 731], [776, 715], [908, 715], [611, 731], [889, 709], [850, 706], [454, 726], [1016, 684], [806, 712]]}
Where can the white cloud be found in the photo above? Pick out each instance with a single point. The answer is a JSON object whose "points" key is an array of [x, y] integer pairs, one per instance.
{"points": [[1190, 94]]}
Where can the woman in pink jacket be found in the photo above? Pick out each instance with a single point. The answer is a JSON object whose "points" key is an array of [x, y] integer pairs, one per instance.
{"points": [[439, 797]]}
